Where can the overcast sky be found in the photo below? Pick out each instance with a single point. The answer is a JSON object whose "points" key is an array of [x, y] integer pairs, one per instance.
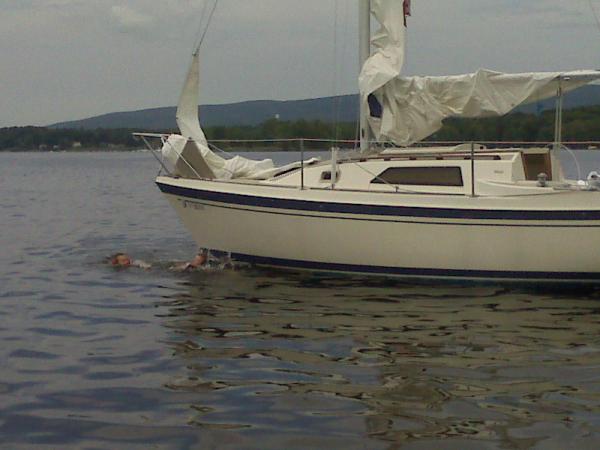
{"points": [[70, 59]]}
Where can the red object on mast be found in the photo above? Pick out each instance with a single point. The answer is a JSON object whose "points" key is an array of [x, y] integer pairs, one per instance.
{"points": [[406, 10]]}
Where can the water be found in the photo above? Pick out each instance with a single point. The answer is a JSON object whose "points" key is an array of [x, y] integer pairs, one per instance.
{"points": [[96, 358]]}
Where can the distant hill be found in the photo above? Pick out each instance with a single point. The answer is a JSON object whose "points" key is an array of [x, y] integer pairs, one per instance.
{"points": [[256, 112], [585, 96], [250, 113]]}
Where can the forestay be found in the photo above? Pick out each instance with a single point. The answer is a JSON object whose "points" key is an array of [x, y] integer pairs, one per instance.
{"points": [[406, 110]]}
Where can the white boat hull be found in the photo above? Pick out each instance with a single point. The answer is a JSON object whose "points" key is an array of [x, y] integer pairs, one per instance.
{"points": [[455, 238]]}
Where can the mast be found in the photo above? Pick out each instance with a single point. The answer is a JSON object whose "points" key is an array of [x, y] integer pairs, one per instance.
{"points": [[558, 123], [364, 26]]}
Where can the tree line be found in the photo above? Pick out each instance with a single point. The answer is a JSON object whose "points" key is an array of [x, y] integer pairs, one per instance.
{"points": [[42, 138], [581, 124]]}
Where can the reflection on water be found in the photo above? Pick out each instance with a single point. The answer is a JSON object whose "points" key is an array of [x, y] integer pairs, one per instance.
{"points": [[340, 359], [97, 358]]}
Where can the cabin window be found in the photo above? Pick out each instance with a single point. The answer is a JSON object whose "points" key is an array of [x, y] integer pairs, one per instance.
{"points": [[421, 176]]}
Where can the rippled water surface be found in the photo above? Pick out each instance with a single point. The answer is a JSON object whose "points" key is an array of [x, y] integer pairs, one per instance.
{"points": [[96, 358]]}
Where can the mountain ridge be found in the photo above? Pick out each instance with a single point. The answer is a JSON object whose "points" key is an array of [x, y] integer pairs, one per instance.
{"points": [[250, 113], [255, 112]]}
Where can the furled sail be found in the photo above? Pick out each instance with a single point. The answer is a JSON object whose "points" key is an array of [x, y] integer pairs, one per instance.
{"points": [[189, 154], [406, 110], [387, 59], [415, 107]]}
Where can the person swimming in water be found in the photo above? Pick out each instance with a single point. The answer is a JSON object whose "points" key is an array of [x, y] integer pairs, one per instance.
{"points": [[123, 260], [201, 259]]}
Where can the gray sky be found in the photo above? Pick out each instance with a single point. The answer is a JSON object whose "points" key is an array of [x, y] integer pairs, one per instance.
{"points": [[70, 59]]}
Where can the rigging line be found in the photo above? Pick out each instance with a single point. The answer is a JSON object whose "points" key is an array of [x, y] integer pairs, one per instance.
{"points": [[345, 39], [208, 22], [201, 26], [335, 69], [594, 13], [213, 147], [339, 68], [577, 165], [357, 135]]}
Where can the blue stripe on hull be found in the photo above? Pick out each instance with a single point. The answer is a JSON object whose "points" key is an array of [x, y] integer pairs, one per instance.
{"points": [[377, 210], [554, 277]]}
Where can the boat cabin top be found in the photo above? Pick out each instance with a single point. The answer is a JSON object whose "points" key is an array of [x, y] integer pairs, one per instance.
{"points": [[454, 171]]}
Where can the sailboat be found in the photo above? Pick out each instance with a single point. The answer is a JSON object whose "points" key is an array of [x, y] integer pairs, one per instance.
{"points": [[466, 212]]}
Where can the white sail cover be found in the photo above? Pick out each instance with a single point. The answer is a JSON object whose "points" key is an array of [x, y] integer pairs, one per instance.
{"points": [[415, 107], [409, 109], [189, 126], [387, 60]]}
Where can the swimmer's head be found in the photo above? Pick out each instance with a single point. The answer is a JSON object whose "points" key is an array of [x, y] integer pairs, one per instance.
{"points": [[200, 259], [120, 260]]}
